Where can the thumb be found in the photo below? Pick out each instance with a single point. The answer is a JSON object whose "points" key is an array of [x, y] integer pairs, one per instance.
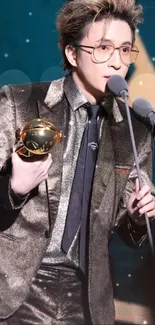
{"points": [[15, 157], [137, 186]]}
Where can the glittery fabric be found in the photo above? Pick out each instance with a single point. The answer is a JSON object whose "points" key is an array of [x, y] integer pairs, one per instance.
{"points": [[56, 297], [23, 233], [75, 118], [115, 164]]}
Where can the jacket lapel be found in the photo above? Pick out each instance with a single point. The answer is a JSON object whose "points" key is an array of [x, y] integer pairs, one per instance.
{"points": [[52, 109], [115, 159], [104, 168], [115, 156]]}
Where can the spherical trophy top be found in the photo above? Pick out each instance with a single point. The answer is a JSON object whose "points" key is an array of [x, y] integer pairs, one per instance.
{"points": [[38, 137]]}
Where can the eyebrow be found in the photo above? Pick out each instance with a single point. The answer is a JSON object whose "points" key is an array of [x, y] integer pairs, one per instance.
{"points": [[108, 40], [127, 43]]}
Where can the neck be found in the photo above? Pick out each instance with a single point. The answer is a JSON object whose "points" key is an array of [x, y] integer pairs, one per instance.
{"points": [[92, 95]]}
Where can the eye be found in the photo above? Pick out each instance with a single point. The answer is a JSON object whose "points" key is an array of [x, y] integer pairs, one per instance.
{"points": [[126, 49], [104, 47]]}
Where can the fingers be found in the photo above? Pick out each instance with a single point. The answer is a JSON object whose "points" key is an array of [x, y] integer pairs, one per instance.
{"points": [[148, 198], [145, 201], [28, 173], [149, 209], [141, 202], [144, 190], [45, 165], [15, 157], [137, 186], [37, 167], [38, 159]]}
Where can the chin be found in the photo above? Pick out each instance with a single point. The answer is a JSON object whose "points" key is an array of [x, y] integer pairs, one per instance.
{"points": [[102, 90], [99, 93]]}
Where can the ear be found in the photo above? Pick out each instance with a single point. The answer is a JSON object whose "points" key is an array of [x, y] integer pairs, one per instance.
{"points": [[71, 55]]}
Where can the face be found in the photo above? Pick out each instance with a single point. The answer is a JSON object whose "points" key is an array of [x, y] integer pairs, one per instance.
{"points": [[91, 76]]}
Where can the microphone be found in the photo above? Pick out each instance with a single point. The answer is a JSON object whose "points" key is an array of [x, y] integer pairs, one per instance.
{"points": [[119, 87], [145, 109]]}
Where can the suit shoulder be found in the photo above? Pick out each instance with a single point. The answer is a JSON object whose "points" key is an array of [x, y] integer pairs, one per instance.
{"points": [[24, 92], [35, 91]]}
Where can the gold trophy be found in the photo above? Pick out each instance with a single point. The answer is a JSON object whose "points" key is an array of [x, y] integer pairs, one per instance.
{"points": [[37, 138]]}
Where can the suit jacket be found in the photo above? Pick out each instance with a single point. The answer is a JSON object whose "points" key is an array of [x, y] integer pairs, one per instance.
{"points": [[23, 229]]}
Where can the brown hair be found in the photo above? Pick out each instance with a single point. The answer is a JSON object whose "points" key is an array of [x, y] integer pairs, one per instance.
{"points": [[76, 15]]}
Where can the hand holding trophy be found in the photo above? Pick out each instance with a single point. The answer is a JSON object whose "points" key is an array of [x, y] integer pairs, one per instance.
{"points": [[31, 158]]}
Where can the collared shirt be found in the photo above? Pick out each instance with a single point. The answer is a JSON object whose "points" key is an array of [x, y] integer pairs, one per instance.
{"points": [[77, 118]]}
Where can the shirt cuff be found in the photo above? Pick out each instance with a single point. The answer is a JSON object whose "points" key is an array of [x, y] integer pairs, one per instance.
{"points": [[138, 233], [17, 201]]}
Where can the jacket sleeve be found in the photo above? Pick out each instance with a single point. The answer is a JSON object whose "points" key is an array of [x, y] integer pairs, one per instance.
{"points": [[132, 234], [8, 199]]}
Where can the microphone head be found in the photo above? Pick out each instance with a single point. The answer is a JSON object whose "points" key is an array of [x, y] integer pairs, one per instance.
{"points": [[142, 107], [117, 84]]}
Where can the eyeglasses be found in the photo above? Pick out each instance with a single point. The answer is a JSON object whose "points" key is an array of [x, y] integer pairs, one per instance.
{"points": [[102, 53]]}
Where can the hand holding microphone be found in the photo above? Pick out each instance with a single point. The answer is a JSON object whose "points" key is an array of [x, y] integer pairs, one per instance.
{"points": [[141, 200]]}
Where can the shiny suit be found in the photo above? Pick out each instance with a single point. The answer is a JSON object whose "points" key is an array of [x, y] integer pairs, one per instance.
{"points": [[24, 232]]}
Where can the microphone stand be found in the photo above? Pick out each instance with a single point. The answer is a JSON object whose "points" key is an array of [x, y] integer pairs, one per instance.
{"points": [[124, 95]]}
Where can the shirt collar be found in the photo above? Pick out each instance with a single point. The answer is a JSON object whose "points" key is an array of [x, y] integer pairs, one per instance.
{"points": [[116, 112], [74, 96], [111, 107], [76, 99]]}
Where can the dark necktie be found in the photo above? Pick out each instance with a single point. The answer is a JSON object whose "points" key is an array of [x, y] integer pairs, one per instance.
{"points": [[76, 222]]}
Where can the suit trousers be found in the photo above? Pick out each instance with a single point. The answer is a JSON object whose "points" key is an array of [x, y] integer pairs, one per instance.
{"points": [[57, 297]]}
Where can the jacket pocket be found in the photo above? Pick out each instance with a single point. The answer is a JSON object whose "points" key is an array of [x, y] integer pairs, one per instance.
{"points": [[8, 236]]}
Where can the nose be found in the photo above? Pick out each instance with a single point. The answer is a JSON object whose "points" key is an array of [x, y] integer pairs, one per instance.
{"points": [[115, 60]]}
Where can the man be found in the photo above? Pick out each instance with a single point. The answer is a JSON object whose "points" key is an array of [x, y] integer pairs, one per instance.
{"points": [[42, 281]]}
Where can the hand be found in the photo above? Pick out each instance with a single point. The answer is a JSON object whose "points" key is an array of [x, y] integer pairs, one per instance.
{"points": [[27, 174], [141, 201]]}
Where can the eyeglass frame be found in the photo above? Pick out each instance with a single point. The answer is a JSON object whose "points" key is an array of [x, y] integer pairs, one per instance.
{"points": [[114, 48]]}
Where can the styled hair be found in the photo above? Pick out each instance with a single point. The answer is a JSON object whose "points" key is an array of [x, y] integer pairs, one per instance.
{"points": [[76, 15]]}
